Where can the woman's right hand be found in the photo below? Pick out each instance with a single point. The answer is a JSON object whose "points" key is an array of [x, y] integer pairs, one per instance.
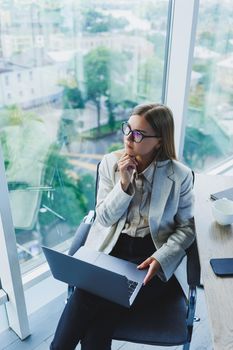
{"points": [[126, 165]]}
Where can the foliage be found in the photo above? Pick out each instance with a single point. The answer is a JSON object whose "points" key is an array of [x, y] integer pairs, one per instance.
{"points": [[115, 147], [104, 130], [5, 149], [155, 12], [199, 146], [128, 104], [207, 39], [111, 116], [197, 97], [72, 96], [218, 19], [150, 79], [206, 69], [66, 131], [72, 197], [159, 40], [14, 115], [97, 76], [72, 101], [97, 73], [96, 22]]}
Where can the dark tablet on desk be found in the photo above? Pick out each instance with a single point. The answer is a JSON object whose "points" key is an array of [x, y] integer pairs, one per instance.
{"points": [[222, 267], [228, 193]]}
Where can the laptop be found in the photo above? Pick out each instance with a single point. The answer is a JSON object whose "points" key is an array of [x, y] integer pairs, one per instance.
{"points": [[228, 193], [109, 277]]}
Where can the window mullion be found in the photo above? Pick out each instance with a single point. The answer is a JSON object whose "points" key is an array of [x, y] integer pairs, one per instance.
{"points": [[180, 50], [9, 264]]}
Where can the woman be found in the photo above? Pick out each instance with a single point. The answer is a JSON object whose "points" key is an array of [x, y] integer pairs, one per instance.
{"points": [[144, 214]]}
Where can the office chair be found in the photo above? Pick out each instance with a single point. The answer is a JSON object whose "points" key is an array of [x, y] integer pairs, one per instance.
{"points": [[166, 322]]}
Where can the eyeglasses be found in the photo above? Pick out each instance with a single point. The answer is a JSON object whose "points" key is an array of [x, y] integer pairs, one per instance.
{"points": [[137, 135]]}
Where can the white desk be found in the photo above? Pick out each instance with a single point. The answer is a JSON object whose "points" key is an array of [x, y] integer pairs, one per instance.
{"points": [[215, 241]]}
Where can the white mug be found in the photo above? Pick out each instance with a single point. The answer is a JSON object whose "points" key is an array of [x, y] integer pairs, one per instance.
{"points": [[222, 210]]}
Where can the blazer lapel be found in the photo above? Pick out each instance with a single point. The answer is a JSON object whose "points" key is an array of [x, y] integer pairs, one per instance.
{"points": [[162, 184]]}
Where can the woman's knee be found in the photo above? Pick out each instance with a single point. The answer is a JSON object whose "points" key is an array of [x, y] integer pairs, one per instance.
{"points": [[96, 338], [100, 332]]}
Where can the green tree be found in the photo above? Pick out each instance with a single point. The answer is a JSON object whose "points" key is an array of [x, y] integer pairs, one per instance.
{"points": [[197, 97], [5, 148], [97, 22], [105, 81], [72, 96], [150, 79], [198, 146], [111, 115], [97, 76], [72, 101]]}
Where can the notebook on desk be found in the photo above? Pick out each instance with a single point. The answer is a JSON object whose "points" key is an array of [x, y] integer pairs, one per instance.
{"points": [[228, 193]]}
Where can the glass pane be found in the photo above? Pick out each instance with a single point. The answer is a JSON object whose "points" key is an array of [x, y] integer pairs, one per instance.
{"points": [[70, 72], [209, 132]]}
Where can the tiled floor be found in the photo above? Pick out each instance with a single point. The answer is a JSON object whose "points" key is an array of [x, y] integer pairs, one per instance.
{"points": [[44, 321]]}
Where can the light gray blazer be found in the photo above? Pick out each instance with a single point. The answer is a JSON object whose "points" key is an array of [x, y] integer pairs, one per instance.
{"points": [[170, 214]]}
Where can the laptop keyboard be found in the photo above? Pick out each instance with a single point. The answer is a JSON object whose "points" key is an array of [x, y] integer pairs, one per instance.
{"points": [[132, 286]]}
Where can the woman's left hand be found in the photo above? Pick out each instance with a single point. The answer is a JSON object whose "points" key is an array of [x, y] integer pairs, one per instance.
{"points": [[153, 265]]}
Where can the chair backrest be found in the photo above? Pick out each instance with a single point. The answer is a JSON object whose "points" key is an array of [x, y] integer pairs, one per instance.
{"points": [[193, 265]]}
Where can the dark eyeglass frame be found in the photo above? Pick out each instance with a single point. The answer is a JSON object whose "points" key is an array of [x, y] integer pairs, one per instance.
{"points": [[133, 131]]}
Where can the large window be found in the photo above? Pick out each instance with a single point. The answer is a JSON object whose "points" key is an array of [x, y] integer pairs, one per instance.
{"points": [[70, 72], [209, 132]]}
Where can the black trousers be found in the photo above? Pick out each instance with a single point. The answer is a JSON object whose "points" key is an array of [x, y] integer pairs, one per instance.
{"points": [[91, 319]]}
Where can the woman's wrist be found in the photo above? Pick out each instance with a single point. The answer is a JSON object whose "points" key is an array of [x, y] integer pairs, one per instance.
{"points": [[128, 188], [124, 186]]}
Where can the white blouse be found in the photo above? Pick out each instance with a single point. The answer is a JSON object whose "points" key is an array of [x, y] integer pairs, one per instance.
{"points": [[137, 224]]}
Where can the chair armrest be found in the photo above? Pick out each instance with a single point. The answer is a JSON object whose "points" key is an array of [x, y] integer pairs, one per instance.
{"points": [[193, 265], [81, 233], [79, 240], [89, 218]]}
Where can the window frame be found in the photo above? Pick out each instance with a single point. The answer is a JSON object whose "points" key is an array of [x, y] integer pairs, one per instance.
{"points": [[184, 16]]}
